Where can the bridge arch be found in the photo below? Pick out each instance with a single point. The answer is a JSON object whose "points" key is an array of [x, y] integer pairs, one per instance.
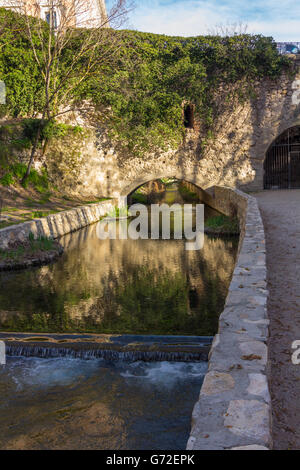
{"points": [[282, 162], [130, 186]]}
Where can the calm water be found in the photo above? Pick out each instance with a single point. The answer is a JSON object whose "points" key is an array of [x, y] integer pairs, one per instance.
{"points": [[121, 286], [74, 404]]}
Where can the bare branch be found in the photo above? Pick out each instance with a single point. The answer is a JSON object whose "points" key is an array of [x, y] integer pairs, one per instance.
{"points": [[80, 26], [229, 29]]}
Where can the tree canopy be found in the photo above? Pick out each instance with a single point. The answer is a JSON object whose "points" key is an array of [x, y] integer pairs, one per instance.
{"points": [[142, 90]]}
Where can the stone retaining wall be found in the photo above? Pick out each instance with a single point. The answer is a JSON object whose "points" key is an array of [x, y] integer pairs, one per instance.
{"points": [[234, 410], [56, 225], [243, 131]]}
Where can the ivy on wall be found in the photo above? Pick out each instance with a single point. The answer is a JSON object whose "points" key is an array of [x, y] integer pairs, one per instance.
{"points": [[157, 74], [142, 91], [61, 140]]}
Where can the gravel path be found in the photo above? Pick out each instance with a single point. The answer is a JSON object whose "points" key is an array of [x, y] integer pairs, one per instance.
{"points": [[281, 216]]}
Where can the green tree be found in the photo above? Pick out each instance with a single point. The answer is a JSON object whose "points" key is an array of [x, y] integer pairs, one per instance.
{"points": [[61, 72]]}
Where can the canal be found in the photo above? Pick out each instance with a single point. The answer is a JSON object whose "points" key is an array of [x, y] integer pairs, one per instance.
{"points": [[121, 286], [110, 286]]}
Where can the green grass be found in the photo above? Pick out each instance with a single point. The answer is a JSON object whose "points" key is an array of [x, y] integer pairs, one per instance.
{"points": [[9, 209], [187, 195], [41, 214], [26, 217], [29, 248], [223, 223], [40, 244], [139, 198], [15, 173], [7, 180], [6, 255], [40, 202], [117, 212], [45, 197], [5, 224]]}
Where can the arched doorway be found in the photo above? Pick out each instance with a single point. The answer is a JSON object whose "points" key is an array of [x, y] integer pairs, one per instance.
{"points": [[282, 163]]}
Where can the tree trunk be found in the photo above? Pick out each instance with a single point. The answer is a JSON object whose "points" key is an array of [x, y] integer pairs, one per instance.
{"points": [[33, 153]]}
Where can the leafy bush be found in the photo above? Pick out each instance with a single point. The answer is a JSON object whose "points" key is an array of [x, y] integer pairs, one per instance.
{"points": [[157, 73], [41, 214], [223, 223], [18, 68], [40, 243], [141, 94], [138, 198], [39, 180], [117, 212], [187, 195], [27, 249], [7, 179]]}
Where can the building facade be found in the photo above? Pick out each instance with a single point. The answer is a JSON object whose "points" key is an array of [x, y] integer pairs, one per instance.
{"points": [[78, 13]]}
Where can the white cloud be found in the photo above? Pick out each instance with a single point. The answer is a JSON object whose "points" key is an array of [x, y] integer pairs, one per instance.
{"points": [[194, 17]]}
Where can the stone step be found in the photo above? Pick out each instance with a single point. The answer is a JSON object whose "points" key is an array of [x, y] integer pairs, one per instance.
{"points": [[110, 347]]}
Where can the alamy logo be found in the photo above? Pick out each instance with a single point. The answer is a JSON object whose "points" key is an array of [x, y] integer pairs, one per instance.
{"points": [[2, 353], [162, 221], [2, 92]]}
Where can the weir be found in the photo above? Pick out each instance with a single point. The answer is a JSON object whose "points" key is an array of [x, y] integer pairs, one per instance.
{"points": [[127, 348]]}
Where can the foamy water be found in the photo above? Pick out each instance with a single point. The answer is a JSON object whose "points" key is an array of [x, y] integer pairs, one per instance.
{"points": [[77, 404]]}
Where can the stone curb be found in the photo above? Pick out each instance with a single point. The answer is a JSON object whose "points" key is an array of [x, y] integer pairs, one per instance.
{"points": [[56, 225], [234, 408]]}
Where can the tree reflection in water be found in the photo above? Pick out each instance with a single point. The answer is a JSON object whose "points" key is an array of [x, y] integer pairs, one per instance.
{"points": [[121, 286]]}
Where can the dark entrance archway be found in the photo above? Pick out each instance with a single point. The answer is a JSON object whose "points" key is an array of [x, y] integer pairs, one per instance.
{"points": [[282, 163], [189, 118]]}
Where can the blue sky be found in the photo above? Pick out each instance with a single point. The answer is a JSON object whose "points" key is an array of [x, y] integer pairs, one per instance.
{"points": [[277, 18]]}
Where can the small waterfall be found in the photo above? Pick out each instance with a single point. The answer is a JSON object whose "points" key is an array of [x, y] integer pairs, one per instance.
{"points": [[107, 354]]}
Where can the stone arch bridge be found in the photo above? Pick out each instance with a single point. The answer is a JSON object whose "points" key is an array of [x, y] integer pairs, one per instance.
{"points": [[235, 157]]}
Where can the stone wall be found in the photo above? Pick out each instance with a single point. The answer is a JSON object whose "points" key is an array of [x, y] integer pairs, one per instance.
{"points": [[234, 157], [56, 225], [234, 410], [243, 132]]}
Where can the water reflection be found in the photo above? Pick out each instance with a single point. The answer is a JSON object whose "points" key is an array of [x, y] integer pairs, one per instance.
{"points": [[121, 286]]}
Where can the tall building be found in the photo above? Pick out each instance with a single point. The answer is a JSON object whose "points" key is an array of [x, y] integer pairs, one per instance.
{"points": [[78, 13]]}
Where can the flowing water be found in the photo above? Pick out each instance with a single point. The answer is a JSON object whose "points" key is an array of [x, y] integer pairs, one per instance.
{"points": [[76, 404]]}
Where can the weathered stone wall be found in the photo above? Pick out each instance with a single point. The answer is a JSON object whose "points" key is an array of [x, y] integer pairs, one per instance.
{"points": [[234, 157], [233, 411], [243, 133], [56, 225]]}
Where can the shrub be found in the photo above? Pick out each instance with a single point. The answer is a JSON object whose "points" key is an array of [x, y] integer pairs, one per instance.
{"points": [[187, 195], [138, 198], [39, 180], [40, 243], [223, 223], [141, 92], [7, 180], [117, 212]]}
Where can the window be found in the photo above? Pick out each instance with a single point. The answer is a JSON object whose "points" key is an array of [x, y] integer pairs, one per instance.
{"points": [[51, 18]]}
